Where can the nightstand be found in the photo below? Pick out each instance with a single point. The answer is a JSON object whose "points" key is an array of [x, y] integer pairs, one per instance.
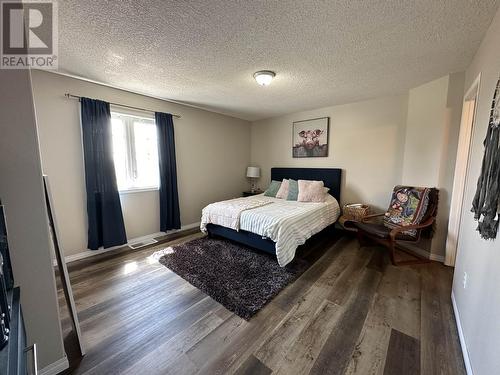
{"points": [[249, 193]]}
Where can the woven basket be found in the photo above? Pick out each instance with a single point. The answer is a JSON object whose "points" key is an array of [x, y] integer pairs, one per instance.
{"points": [[355, 211]]}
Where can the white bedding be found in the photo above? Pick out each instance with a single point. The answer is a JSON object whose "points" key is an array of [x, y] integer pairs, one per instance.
{"points": [[287, 223], [227, 213]]}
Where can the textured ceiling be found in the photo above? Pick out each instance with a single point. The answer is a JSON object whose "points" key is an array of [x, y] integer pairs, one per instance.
{"points": [[324, 52]]}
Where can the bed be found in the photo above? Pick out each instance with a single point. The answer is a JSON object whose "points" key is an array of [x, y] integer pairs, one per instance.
{"points": [[311, 217]]}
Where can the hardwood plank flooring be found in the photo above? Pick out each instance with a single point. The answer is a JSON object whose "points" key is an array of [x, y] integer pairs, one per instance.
{"points": [[439, 326], [252, 366], [337, 351], [351, 312], [301, 355], [403, 355]]}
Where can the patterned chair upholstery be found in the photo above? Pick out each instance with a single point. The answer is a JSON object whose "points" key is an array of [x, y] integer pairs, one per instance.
{"points": [[411, 211]]}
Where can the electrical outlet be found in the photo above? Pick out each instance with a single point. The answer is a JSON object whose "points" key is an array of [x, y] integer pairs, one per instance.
{"points": [[465, 280]]}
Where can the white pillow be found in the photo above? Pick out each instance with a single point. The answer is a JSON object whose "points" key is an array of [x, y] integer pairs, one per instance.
{"points": [[283, 191]]}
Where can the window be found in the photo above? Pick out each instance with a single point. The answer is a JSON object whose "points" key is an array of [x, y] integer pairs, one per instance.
{"points": [[135, 151]]}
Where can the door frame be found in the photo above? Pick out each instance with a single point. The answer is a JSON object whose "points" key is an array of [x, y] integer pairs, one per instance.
{"points": [[461, 169]]}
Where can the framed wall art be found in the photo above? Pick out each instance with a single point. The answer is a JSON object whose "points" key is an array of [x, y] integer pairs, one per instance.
{"points": [[310, 138]]}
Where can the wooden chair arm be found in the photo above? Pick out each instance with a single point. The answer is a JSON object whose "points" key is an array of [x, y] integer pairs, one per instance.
{"points": [[425, 224], [372, 216]]}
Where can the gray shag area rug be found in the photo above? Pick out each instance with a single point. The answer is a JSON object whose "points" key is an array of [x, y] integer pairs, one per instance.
{"points": [[241, 279]]}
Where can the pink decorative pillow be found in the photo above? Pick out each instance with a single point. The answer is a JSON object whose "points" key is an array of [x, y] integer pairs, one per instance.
{"points": [[311, 191], [283, 191]]}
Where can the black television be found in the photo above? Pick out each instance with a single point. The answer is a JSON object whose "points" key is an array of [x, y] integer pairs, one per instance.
{"points": [[6, 280], [4, 251]]}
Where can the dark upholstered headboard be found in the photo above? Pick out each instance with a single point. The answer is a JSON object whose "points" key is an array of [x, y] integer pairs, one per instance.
{"points": [[331, 177]]}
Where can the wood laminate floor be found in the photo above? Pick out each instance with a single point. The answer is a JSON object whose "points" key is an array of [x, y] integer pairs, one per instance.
{"points": [[350, 313]]}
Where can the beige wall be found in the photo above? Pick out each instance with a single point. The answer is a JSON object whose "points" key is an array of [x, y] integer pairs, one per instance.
{"points": [[432, 128], [424, 135], [479, 303], [22, 193], [212, 153], [365, 140]]}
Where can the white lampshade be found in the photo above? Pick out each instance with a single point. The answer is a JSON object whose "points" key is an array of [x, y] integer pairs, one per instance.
{"points": [[253, 172]]}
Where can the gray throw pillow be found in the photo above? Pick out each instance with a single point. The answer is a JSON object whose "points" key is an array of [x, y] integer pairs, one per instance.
{"points": [[272, 189], [293, 190]]}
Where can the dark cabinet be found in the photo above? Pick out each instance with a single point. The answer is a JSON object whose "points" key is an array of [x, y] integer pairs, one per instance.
{"points": [[13, 356], [13, 350]]}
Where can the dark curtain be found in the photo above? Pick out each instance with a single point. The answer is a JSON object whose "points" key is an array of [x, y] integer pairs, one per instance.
{"points": [[170, 217], [485, 204], [104, 211]]}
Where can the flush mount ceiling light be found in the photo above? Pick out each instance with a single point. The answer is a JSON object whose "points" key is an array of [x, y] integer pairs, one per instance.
{"points": [[264, 77]]}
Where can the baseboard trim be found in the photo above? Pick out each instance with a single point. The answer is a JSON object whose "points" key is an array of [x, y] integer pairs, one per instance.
{"points": [[465, 352], [425, 254], [90, 253], [56, 367], [435, 257]]}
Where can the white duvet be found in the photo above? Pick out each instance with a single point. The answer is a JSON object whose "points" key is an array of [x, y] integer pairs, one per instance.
{"points": [[288, 223], [228, 213]]}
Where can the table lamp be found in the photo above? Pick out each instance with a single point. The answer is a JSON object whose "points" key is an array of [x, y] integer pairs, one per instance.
{"points": [[253, 173]]}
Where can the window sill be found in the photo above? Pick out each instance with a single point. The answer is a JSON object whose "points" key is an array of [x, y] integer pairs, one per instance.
{"points": [[133, 191]]}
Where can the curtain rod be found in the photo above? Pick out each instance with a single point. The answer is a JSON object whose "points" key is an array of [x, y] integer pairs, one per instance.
{"points": [[71, 96]]}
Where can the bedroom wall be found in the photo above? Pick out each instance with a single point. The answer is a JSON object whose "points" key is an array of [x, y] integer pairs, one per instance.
{"points": [[205, 142], [432, 128], [478, 304], [366, 140]]}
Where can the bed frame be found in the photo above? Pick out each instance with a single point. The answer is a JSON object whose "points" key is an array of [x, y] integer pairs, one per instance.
{"points": [[331, 177]]}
